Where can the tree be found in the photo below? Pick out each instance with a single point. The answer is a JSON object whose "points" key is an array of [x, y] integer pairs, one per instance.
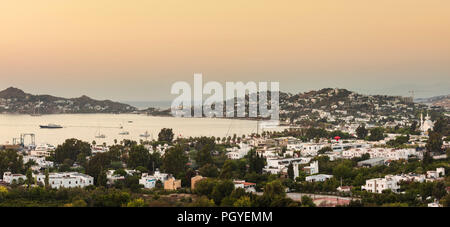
{"points": [[203, 157], [101, 178], [307, 201], [439, 190], [343, 171], [30, 179], [413, 126], [136, 203], [290, 171], [209, 170], [324, 150], [166, 135], [138, 156], [175, 160], [70, 149], [3, 192], [227, 170], [440, 125], [11, 161], [186, 181], [204, 202], [376, 134], [205, 186], [244, 201], [275, 196], [446, 200], [47, 179], [434, 143], [222, 190], [96, 165], [274, 189], [256, 162]]}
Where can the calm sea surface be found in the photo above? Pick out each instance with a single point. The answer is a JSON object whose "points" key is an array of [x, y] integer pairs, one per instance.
{"points": [[87, 126]]}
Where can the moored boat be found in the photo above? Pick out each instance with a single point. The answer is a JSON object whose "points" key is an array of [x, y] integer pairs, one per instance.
{"points": [[51, 126]]}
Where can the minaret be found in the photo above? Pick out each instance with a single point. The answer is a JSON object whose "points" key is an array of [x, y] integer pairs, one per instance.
{"points": [[421, 120]]}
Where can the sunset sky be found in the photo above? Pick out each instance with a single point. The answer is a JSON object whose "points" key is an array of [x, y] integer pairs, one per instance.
{"points": [[134, 50]]}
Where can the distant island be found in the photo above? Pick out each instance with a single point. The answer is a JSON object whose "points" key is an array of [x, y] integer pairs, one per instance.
{"points": [[14, 100]]}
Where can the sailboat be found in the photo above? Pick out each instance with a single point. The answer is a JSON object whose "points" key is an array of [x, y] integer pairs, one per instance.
{"points": [[145, 135], [34, 114], [100, 136]]}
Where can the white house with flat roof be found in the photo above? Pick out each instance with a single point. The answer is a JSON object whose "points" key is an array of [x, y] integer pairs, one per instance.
{"points": [[378, 185], [149, 181], [318, 178], [66, 180], [276, 165], [9, 177]]}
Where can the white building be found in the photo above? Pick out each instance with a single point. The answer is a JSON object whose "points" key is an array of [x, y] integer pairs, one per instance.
{"points": [[149, 181], [112, 178], [378, 185], [40, 161], [66, 180], [247, 186], [238, 153], [312, 169], [9, 178], [99, 149], [161, 149], [440, 172], [311, 149], [318, 178], [276, 165], [386, 153], [42, 150]]}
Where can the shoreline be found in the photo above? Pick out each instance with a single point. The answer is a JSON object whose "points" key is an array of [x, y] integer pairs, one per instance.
{"points": [[54, 114]]}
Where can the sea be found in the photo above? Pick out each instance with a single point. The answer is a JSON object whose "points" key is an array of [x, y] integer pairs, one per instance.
{"points": [[87, 127]]}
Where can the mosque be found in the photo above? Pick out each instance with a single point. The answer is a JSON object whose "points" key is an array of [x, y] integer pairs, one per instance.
{"points": [[425, 125]]}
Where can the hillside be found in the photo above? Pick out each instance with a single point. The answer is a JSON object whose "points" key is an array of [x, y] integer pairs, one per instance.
{"points": [[340, 105], [14, 100], [437, 101]]}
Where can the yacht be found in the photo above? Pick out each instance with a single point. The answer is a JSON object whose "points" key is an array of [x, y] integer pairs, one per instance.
{"points": [[124, 133], [51, 126], [100, 136]]}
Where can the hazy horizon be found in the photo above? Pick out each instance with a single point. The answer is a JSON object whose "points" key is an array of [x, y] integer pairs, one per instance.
{"points": [[135, 50]]}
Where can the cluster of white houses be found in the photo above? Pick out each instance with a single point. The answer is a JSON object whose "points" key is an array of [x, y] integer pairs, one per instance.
{"points": [[55, 180], [391, 182], [386, 153]]}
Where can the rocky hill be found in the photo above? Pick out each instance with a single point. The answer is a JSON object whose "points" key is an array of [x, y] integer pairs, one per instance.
{"points": [[14, 100], [436, 101]]}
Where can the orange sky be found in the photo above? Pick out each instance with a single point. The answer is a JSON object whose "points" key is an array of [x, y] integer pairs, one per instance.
{"points": [[140, 48]]}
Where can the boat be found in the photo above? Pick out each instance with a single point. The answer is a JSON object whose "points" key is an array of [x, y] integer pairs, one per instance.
{"points": [[124, 133], [145, 135], [45, 147], [51, 126], [100, 136]]}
